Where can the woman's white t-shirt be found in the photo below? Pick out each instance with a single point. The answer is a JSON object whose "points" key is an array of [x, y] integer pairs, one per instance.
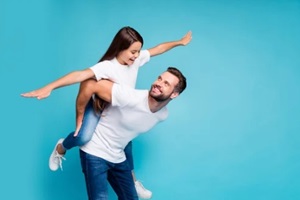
{"points": [[123, 74]]}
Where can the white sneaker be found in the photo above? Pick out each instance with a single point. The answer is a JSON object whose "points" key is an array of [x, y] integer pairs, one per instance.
{"points": [[142, 192], [55, 160]]}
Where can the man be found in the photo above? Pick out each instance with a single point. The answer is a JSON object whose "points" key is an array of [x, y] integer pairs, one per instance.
{"points": [[130, 113]]}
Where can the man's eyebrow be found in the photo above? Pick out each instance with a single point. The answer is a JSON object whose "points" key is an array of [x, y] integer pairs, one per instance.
{"points": [[167, 82]]}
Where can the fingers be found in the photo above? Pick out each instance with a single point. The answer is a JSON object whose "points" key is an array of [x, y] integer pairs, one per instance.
{"points": [[187, 38], [32, 95], [40, 97], [29, 94], [75, 134], [189, 35], [39, 94]]}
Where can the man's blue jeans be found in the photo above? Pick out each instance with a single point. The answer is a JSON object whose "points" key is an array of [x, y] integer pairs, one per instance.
{"points": [[97, 171], [89, 123]]}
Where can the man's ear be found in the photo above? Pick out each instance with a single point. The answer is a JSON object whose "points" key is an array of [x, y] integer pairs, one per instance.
{"points": [[174, 95]]}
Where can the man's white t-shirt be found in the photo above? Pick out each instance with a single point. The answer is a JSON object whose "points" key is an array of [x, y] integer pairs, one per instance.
{"points": [[118, 73], [126, 117]]}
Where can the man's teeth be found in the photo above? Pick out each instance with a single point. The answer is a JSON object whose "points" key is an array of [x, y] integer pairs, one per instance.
{"points": [[156, 89]]}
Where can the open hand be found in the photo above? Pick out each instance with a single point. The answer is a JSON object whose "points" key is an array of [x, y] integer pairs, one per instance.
{"points": [[78, 124], [187, 38], [39, 94]]}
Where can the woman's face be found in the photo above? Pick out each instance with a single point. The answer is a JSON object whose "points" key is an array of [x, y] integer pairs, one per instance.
{"points": [[128, 56]]}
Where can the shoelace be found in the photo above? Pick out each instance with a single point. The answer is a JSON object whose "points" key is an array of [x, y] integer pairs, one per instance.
{"points": [[58, 157]]}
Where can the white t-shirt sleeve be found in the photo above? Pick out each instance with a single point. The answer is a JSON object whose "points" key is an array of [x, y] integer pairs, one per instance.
{"points": [[122, 95], [102, 70], [143, 58]]}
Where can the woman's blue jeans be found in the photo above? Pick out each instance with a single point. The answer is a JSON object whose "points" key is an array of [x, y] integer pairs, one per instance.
{"points": [[89, 123], [97, 171]]}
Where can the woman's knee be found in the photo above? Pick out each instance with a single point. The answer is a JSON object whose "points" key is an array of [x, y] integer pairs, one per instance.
{"points": [[83, 139]]}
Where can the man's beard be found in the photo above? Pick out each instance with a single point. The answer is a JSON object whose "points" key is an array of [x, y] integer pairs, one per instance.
{"points": [[160, 97]]}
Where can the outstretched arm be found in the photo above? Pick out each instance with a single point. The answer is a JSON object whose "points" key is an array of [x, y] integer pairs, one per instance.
{"points": [[69, 79], [164, 47]]}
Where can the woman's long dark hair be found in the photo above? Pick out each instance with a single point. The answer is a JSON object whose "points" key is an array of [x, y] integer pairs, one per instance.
{"points": [[125, 37]]}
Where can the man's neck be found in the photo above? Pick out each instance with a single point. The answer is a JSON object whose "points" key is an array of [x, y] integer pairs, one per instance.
{"points": [[155, 106]]}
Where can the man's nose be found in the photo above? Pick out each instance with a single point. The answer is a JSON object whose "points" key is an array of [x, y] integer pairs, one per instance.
{"points": [[158, 84]]}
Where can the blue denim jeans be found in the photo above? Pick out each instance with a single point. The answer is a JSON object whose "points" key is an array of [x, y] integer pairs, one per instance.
{"points": [[98, 172], [89, 123]]}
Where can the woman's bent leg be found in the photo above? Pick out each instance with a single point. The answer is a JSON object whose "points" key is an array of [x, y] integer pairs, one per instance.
{"points": [[89, 123]]}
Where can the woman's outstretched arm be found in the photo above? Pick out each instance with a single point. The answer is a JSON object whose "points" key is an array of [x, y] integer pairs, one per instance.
{"points": [[166, 46], [69, 79]]}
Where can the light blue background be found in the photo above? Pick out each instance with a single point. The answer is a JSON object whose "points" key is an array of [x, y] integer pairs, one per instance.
{"points": [[232, 135]]}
